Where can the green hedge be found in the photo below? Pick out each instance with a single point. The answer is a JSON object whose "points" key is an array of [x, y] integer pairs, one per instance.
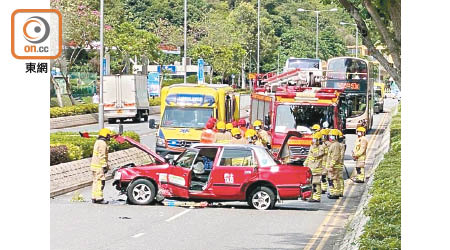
{"points": [[383, 230], [73, 110], [78, 147], [154, 101]]}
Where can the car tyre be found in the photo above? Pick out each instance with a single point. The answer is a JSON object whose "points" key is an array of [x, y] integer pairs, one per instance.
{"points": [[261, 198], [141, 192]]}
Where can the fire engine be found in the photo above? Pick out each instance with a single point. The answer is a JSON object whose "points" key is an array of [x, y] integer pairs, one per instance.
{"points": [[284, 108]]}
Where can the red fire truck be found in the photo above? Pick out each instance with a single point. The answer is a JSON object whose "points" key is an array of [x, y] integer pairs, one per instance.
{"points": [[297, 108]]}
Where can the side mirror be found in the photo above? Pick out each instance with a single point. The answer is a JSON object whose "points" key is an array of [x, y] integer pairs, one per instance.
{"points": [[152, 124], [267, 120]]}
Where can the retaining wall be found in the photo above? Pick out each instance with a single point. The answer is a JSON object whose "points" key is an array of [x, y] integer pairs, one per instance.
{"points": [[69, 176], [78, 120]]}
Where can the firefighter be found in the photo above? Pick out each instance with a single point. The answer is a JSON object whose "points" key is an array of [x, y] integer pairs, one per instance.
{"points": [[237, 138], [222, 136], [99, 165], [340, 166], [208, 135], [359, 153], [262, 134], [325, 143], [314, 162], [242, 126], [315, 128], [333, 157], [252, 137]]}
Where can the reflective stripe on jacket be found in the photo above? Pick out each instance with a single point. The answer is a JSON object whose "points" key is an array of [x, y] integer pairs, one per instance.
{"points": [[208, 136], [360, 149], [100, 155]]}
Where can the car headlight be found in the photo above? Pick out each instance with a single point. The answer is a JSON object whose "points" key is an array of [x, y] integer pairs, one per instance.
{"points": [[160, 142], [117, 175]]}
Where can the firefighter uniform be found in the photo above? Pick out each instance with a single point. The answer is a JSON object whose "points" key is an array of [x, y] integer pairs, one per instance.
{"points": [[325, 143], [340, 167], [359, 154], [314, 162], [262, 134], [333, 158], [99, 165], [237, 138], [223, 136]]}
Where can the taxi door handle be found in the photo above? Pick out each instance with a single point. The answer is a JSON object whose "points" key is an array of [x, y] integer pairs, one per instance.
{"points": [[184, 174], [247, 172]]}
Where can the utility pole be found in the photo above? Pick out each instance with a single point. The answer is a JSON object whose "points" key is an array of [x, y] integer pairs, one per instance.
{"points": [[101, 118]]}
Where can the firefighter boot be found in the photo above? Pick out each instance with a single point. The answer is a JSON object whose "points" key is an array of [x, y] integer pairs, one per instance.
{"points": [[332, 190], [360, 175], [324, 184], [317, 193]]}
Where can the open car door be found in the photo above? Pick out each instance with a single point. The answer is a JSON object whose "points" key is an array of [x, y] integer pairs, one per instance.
{"points": [[284, 150]]}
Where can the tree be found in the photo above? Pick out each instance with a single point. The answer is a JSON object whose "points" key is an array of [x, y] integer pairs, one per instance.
{"points": [[385, 16], [75, 14], [125, 41]]}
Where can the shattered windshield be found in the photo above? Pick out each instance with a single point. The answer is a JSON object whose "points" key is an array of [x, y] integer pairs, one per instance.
{"points": [[292, 116]]}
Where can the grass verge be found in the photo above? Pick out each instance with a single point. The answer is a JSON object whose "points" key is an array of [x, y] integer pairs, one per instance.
{"points": [[383, 230]]}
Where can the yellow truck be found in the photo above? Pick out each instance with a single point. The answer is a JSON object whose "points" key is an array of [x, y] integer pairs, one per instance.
{"points": [[378, 92], [185, 109]]}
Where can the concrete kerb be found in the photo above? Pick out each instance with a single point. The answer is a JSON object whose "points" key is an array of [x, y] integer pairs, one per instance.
{"points": [[70, 176], [356, 222]]}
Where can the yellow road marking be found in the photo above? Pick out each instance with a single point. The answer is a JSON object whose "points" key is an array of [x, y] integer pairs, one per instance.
{"points": [[334, 208]]}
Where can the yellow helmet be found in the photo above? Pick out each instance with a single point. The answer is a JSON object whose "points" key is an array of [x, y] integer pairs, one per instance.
{"points": [[317, 135], [334, 132], [257, 123], [235, 131], [325, 131], [229, 126], [250, 133], [361, 129], [316, 127], [104, 132], [340, 133], [221, 125]]}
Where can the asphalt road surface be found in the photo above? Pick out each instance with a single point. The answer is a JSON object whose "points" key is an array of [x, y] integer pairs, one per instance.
{"points": [[231, 225]]}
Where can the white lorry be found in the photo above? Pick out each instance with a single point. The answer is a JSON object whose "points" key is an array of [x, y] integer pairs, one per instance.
{"points": [[124, 97]]}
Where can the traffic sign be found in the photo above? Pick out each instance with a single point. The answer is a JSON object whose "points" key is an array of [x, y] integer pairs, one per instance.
{"points": [[200, 74]]}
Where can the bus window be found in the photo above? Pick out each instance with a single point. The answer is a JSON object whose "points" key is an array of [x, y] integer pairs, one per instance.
{"points": [[357, 104]]}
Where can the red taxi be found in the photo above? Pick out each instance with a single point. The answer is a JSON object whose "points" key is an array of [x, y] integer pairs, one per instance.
{"points": [[215, 172]]}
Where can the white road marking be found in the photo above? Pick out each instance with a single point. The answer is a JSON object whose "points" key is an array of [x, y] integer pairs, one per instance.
{"points": [[178, 215], [137, 235]]}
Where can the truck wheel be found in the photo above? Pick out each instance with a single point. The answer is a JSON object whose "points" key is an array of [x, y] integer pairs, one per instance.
{"points": [[261, 198], [111, 121], [141, 192], [137, 118], [145, 118]]}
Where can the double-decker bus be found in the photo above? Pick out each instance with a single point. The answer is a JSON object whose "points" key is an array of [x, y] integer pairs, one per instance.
{"points": [[356, 76]]}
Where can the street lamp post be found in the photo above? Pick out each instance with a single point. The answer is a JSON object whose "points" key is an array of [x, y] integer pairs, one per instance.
{"points": [[185, 40], [257, 55], [317, 25], [101, 122], [356, 36]]}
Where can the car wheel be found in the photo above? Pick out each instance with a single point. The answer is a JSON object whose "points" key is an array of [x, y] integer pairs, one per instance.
{"points": [[261, 198], [141, 192]]}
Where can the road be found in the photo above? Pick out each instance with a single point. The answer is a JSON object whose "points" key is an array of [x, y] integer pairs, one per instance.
{"points": [[231, 225]]}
